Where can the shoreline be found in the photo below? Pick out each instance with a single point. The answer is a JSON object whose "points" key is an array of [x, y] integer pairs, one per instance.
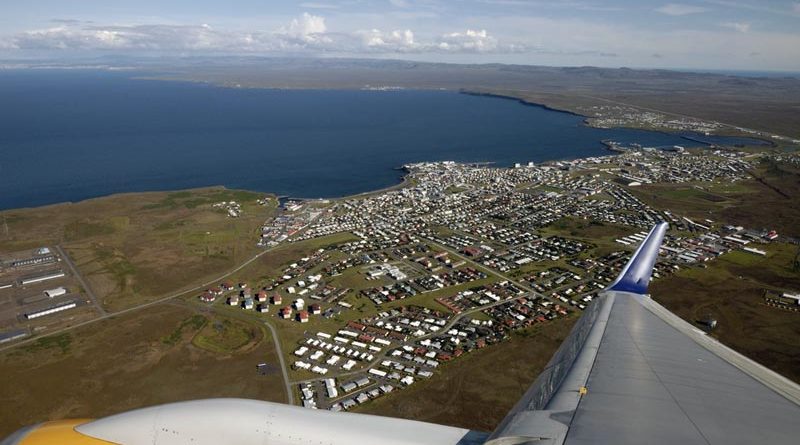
{"points": [[404, 180], [526, 103], [587, 119]]}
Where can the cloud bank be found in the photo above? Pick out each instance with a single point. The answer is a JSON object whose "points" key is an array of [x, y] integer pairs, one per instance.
{"points": [[738, 40], [307, 32]]}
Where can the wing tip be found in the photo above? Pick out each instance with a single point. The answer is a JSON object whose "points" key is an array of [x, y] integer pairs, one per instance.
{"points": [[635, 276]]}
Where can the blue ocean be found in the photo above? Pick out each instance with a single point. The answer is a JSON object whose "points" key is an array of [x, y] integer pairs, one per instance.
{"points": [[69, 135]]}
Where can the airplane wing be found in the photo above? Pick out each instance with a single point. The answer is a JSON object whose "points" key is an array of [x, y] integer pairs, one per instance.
{"points": [[630, 372], [241, 422]]}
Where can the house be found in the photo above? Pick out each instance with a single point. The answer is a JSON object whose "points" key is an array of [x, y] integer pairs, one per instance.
{"points": [[248, 303], [315, 309], [226, 286], [207, 297], [471, 251], [262, 308], [285, 312], [356, 325], [277, 299], [216, 291], [233, 300], [261, 297], [299, 304], [302, 316]]}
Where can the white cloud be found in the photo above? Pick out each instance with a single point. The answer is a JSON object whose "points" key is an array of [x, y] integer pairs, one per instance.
{"points": [[738, 26], [405, 41], [796, 8], [399, 3], [538, 40], [141, 37], [7, 44], [678, 9], [394, 41], [468, 41], [558, 41], [308, 28], [306, 33]]}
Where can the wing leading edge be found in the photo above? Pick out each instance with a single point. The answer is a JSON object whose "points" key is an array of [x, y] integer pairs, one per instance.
{"points": [[633, 372]]}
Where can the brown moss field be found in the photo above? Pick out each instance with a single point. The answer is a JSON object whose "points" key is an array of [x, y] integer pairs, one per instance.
{"points": [[135, 360]]}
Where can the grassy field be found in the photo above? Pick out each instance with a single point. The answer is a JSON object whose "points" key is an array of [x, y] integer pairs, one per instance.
{"points": [[133, 248], [731, 290], [225, 336], [131, 361], [268, 266], [472, 392], [599, 236], [770, 200]]}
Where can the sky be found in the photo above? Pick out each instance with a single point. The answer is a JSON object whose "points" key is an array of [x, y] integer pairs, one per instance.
{"points": [[758, 35]]}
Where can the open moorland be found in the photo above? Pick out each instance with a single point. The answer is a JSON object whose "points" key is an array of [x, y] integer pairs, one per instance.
{"points": [[134, 248], [770, 198], [167, 353]]}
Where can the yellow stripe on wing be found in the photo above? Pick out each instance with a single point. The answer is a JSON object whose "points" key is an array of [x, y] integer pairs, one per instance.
{"points": [[60, 432]]}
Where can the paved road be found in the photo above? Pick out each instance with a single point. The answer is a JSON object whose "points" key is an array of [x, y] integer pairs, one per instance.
{"points": [[83, 282], [284, 370]]}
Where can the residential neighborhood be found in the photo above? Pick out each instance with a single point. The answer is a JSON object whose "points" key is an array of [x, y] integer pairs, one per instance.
{"points": [[464, 257]]}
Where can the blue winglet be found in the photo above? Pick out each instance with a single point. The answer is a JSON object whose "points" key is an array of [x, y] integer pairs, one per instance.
{"points": [[635, 276]]}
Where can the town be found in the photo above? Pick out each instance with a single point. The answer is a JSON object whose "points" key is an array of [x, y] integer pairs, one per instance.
{"points": [[463, 257]]}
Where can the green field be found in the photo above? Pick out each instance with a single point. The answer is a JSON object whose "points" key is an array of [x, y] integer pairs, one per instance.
{"points": [[134, 248], [226, 336], [770, 199]]}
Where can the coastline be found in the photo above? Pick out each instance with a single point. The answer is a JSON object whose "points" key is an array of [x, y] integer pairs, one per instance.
{"points": [[405, 181], [525, 102], [587, 120]]}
